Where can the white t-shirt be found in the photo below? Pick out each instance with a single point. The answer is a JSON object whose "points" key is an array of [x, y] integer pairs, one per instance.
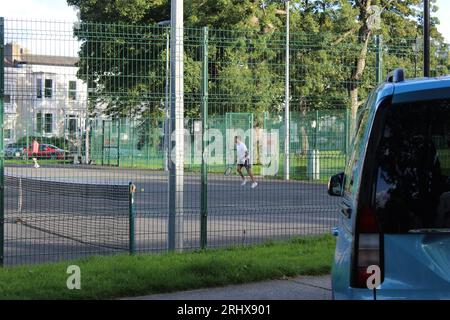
{"points": [[241, 149]]}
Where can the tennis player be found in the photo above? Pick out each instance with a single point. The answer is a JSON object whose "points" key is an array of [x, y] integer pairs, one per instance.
{"points": [[243, 161]]}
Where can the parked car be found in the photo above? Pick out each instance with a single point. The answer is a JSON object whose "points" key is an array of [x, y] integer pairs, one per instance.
{"points": [[395, 210], [14, 150], [46, 151]]}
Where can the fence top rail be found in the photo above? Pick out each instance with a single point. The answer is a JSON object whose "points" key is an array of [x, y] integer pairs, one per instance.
{"points": [[223, 33]]}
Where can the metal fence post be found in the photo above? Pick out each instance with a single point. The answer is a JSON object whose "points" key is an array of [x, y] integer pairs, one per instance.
{"points": [[147, 139], [379, 58], [166, 105], [176, 159], [87, 154], [132, 219], [204, 178], [103, 142], [2, 152], [287, 138], [118, 142], [347, 115], [132, 128]]}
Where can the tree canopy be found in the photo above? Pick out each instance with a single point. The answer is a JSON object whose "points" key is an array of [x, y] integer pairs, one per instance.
{"points": [[332, 52]]}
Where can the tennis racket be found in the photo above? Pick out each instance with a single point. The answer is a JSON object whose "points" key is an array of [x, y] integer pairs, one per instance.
{"points": [[228, 170]]}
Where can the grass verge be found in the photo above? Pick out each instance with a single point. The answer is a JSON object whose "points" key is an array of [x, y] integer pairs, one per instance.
{"points": [[125, 276]]}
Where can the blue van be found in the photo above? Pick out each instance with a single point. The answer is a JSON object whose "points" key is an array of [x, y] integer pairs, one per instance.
{"points": [[395, 209]]}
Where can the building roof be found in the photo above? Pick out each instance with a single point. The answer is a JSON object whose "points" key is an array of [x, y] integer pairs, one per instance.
{"points": [[43, 60], [50, 60], [15, 55]]}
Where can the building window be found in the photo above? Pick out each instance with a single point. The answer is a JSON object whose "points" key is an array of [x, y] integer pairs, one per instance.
{"points": [[7, 133], [39, 122], [39, 88], [72, 125], [48, 125], [48, 88], [7, 98], [72, 90]]}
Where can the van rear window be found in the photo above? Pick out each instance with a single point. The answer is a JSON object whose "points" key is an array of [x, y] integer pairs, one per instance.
{"points": [[412, 185]]}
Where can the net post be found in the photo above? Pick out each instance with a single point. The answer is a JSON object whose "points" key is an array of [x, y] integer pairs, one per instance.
{"points": [[204, 178], [132, 218], [2, 152]]}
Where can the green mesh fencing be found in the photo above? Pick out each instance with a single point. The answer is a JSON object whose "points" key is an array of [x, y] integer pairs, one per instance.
{"points": [[127, 143], [95, 97]]}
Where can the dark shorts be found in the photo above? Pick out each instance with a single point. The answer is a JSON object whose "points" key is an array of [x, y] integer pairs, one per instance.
{"points": [[245, 165]]}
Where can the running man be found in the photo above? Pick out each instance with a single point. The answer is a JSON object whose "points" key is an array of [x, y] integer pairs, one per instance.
{"points": [[243, 160]]}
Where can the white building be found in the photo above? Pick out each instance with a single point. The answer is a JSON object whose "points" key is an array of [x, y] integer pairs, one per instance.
{"points": [[43, 96]]}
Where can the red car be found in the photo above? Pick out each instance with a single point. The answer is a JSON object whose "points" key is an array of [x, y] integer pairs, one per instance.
{"points": [[46, 151]]}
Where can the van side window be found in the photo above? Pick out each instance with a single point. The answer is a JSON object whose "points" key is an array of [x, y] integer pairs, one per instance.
{"points": [[412, 192], [352, 171]]}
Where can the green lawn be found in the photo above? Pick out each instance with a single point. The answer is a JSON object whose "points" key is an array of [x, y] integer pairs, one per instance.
{"points": [[17, 161], [124, 275]]}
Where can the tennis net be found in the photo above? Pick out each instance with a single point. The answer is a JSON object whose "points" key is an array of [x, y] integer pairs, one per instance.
{"points": [[50, 217]]}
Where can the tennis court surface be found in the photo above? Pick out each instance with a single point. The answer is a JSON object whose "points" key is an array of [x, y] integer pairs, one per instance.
{"points": [[64, 212]]}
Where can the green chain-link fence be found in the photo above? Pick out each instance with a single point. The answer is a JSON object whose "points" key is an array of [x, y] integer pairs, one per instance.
{"points": [[89, 102]]}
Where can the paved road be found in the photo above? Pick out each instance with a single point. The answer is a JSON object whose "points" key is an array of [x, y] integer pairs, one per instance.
{"points": [[298, 288], [237, 215], [224, 192]]}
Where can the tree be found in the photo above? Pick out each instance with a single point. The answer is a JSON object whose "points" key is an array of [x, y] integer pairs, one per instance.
{"points": [[331, 47], [396, 17]]}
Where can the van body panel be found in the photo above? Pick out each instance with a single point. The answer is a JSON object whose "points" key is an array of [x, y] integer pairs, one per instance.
{"points": [[343, 259], [415, 265]]}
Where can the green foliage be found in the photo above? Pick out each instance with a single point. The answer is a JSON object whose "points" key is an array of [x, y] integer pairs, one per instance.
{"points": [[332, 52]]}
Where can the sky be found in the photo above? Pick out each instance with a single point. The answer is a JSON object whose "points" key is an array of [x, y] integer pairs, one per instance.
{"points": [[60, 11]]}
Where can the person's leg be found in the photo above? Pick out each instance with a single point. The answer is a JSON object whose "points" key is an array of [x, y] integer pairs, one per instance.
{"points": [[36, 164], [239, 170], [250, 173], [248, 167]]}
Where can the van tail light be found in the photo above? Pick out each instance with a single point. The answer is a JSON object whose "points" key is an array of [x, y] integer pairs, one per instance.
{"points": [[368, 248]]}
